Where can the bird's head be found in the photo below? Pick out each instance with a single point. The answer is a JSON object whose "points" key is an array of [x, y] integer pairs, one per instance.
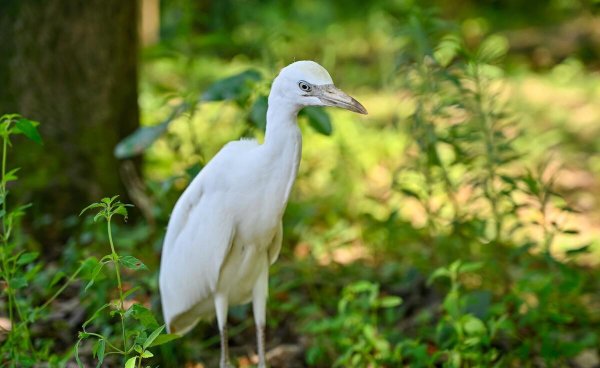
{"points": [[306, 83]]}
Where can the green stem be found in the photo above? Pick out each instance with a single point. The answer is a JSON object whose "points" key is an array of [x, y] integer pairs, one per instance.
{"points": [[62, 288], [116, 349], [5, 268], [115, 259], [4, 147], [489, 189], [7, 271], [193, 136], [548, 235]]}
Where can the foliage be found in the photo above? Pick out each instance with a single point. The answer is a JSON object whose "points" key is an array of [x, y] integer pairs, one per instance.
{"points": [[354, 330], [20, 269], [439, 232], [466, 338], [17, 266], [136, 338]]}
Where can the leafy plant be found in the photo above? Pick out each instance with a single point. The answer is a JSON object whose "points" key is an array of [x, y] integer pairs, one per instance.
{"points": [[353, 335], [17, 267], [465, 339], [135, 339]]}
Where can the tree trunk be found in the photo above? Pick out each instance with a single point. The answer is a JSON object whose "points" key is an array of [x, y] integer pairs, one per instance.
{"points": [[72, 66]]}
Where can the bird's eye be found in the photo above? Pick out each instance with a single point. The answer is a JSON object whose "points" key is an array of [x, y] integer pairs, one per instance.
{"points": [[304, 86]]}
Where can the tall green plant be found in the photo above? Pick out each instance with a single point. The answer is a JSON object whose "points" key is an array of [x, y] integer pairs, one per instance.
{"points": [[135, 338], [19, 268], [16, 265]]}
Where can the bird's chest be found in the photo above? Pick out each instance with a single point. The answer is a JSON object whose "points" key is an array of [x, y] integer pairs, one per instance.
{"points": [[267, 191], [258, 224], [262, 215]]}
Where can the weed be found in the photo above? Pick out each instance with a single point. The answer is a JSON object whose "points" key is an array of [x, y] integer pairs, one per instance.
{"points": [[135, 338]]}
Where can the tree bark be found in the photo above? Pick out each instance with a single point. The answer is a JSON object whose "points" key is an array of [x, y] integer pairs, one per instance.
{"points": [[72, 66]]}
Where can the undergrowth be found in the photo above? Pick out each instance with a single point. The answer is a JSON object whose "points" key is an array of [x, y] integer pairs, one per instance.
{"points": [[461, 264]]}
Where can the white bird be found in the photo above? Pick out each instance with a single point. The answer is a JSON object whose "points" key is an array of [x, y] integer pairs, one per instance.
{"points": [[225, 230]]}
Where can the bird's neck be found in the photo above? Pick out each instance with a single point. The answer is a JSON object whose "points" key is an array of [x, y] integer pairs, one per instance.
{"points": [[283, 143], [282, 130]]}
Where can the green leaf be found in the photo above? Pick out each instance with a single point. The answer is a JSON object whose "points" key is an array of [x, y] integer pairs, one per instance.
{"points": [[258, 113], [98, 351], [410, 193], [153, 336], [27, 258], [57, 277], [132, 263], [95, 315], [493, 48], [163, 339], [20, 210], [454, 267], [18, 283], [88, 265], [28, 128], [121, 210], [131, 362], [439, 272], [451, 304], [236, 88], [145, 316], [471, 266], [140, 140], [95, 273], [91, 206], [99, 215], [447, 50], [194, 170], [147, 354], [130, 291], [11, 175], [142, 335], [77, 359], [473, 325], [390, 301], [579, 250], [318, 118], [108, 201]]}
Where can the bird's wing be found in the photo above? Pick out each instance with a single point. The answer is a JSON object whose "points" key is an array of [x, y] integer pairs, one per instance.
{"points": [[202, 183], [275, 245], [198, 240], [191, 265]]}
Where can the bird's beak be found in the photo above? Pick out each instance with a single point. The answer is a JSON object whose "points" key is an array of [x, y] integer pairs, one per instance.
{"points": [[332, 96]]}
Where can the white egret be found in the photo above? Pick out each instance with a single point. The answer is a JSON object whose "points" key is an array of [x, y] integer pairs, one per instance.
{"points": [[225, 230]]}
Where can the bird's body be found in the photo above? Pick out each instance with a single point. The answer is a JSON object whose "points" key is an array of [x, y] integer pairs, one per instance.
{"points": [[225, 230], [251, 228]]}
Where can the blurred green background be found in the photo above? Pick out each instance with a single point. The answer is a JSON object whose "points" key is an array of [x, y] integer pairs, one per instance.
{"points": [[456, 225]]}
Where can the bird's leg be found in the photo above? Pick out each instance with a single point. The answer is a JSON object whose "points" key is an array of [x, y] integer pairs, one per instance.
{"points": [[260, 339], [259, 306], [221, 306], [224, 363]]}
